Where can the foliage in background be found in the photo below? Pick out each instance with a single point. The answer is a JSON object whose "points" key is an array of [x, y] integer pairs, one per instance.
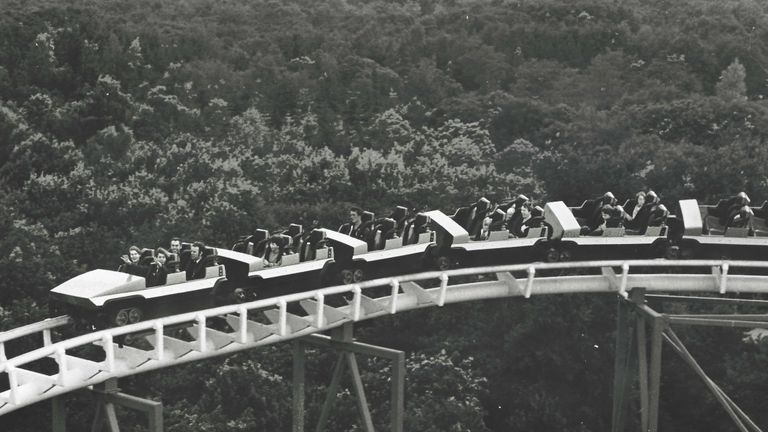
{"points": [[132, 122]]}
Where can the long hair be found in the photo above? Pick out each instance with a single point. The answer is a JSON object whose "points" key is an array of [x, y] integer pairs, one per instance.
{"points": [[278, 241]]}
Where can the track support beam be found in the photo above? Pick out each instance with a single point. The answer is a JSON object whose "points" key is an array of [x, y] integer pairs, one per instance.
{"points": [[622, 367], [634, 315], [107, 395], [342, 341], [58, 414]]}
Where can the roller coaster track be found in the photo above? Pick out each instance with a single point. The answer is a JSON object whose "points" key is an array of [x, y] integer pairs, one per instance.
{"points": [[282, 323]]}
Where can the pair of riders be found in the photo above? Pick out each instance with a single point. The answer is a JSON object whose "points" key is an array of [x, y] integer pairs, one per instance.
{"points": [[156, 265]]}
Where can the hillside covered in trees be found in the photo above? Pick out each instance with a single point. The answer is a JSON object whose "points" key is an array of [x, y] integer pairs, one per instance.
{"points": [[132, 122]]}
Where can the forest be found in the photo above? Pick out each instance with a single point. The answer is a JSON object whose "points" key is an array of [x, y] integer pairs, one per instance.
{"points": [[134, 122]]}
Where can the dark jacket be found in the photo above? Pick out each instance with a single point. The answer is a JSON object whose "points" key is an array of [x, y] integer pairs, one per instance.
{"points": [[350, 230], [196, 269], [157, 275], [134, 269]]}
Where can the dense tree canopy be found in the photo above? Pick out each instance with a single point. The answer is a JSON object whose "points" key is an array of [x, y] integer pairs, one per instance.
{"points": [[132, 122]]}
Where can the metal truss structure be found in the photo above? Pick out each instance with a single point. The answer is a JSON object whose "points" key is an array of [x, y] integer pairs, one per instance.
{"points": [[635, 318]]}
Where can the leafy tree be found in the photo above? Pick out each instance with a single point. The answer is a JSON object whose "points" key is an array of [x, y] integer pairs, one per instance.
{"points": [[125, 123], [239, 396], [732, 85]]}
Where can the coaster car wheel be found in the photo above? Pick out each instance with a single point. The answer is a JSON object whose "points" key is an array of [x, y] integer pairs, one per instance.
{"points": [[552, 255], [358, 275], [672, 253], [346, 277]]}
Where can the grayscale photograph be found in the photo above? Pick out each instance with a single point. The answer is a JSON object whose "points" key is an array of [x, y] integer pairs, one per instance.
{"points": [[383, 215]]}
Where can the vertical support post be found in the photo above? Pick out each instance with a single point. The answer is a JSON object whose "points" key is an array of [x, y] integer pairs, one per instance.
{"points": [[108, 395], [109, 352], [319, 312], [623, 283], [105, 410], [342, 341], [657, 325], [642, 354], [242, 333], [299, 379], [201, 334], [724, 278], [649, 371], [282, 318], [344, 333], [356, 302], [529, 284], [398, 393], [13, 383], [156, 418], [61, 359], [621, 364], [637, 297], [159, 342], [443, 289], [393, 299], [58, 414]]}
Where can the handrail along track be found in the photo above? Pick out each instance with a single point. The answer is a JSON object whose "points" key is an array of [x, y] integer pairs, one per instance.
{"points": [[404, 293]]}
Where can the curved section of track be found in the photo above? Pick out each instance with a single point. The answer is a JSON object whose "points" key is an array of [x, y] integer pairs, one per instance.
{"points": [[281, 319]]}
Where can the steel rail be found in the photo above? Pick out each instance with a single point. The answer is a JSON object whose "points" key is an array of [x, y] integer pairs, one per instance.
{"points": [[27, 387]]}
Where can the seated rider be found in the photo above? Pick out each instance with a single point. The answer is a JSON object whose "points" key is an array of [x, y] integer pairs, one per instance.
{"points": [[521, 224], [631, 216], [640, 222], [175, 250], [131, 263], [616, 217], [639, 203], [196, 267], [599, 228], [509, 214], [159, 269], [273, 253], [606, 199], [354, 228], [736, 206], [486, 229], [741, 218]]}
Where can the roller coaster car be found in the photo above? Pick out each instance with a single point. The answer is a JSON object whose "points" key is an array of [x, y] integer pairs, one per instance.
{"points": [[615, 241], [557, 239], [308, 268], [105, 298], [387, 255], [453, 246], [721, 230]]}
